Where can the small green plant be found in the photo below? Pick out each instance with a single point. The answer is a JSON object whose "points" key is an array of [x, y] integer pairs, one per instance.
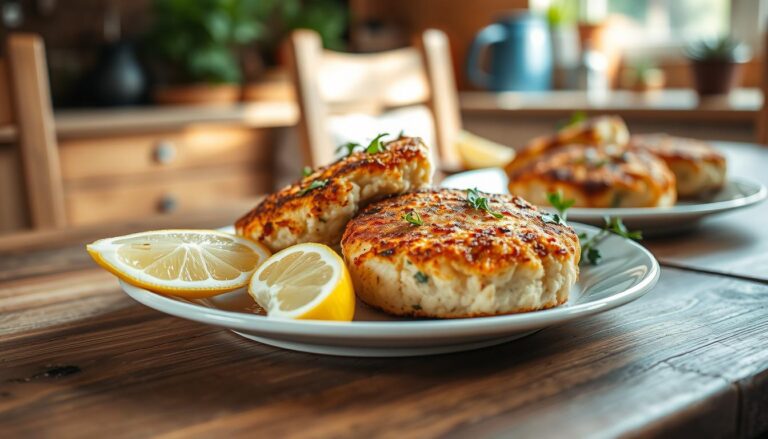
{"points": [[725, 49]]}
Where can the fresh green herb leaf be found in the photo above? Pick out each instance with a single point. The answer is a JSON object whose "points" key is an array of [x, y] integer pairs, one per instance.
{"points": [[615, 225], [576, 118], [421, 277], [348, 148], [307, 171], [401, 134], [376, 146], [553, 218], [480, 203], [593, 255], [314, 185], [556, 200], [414, 218]]}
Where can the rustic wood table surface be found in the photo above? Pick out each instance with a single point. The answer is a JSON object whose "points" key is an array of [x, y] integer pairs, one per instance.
{"points": [[78, 358]]}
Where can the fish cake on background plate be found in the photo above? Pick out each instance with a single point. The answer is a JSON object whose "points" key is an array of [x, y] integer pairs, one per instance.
{"points": [[596, 177], [461, 261], [596, 131], [317, 207], [699, 168]]}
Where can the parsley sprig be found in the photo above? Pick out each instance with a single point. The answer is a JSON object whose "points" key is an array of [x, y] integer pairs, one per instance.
{"points": [[314, 185], [589, 250], [480, 203], [374, 147], [414, 218]]}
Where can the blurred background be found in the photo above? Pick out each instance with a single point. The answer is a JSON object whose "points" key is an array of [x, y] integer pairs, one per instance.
{"points": [[117, 110]]}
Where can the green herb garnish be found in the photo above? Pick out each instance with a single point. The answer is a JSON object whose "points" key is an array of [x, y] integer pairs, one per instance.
{"points": [[561, 205], [414, 218], [421, 277], [314, 185], [613, 225], [589, 251], [348, 148], [376, 146], [577, 117], [480, 203], [307, 171]]}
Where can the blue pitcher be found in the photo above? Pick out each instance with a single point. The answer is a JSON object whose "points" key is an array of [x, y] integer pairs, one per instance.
{"points": [[521, 54]]}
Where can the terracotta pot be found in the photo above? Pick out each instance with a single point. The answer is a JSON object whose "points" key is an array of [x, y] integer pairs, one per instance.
{"points": [[197, 94], [715, 77], [274, 85]]}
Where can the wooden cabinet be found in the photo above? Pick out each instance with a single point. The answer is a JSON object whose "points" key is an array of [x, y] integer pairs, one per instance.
{"points": [[121, 177]]}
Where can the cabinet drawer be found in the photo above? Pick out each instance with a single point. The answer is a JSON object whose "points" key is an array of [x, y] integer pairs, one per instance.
{"points": [[193, 147], [178, 192]]}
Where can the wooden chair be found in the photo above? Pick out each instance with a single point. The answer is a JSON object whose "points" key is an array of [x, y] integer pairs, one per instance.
{"points": [[329, 83], [31, 190]]}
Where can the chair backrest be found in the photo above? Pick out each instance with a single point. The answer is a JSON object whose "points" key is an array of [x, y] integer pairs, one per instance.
{"points": [[26, 119], [330, 83]]}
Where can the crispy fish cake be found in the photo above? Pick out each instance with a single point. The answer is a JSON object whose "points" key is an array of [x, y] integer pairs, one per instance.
{"points": [[597, 131], [461, 262], [317, 207], [698, 167], [596, 177]]}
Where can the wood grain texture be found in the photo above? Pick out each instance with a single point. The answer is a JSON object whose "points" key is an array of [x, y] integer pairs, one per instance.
{"points": [[172, 191], [195, 146], [83, 360]]}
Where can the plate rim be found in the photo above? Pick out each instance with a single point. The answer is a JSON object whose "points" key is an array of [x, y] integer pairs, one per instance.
{"points": [[388, 329], [760, 193]]}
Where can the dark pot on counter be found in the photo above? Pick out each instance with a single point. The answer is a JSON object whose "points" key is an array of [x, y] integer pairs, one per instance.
{"points": [[716, 77]]}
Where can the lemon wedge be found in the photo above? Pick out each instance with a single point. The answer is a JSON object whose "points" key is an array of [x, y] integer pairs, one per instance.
{"points": [[305, 281], [185, 263], [477, 152]]}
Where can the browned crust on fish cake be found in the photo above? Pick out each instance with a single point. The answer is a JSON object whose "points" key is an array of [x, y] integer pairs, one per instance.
{"points": [[455, 232]]}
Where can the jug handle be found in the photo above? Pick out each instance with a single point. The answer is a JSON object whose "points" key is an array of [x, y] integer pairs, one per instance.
{"points": [[494, 33]]}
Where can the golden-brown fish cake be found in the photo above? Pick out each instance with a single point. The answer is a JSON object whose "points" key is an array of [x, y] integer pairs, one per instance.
{"points": [[461, 262], [317, 207], [699, 168], [596, 177], [596, 131]]}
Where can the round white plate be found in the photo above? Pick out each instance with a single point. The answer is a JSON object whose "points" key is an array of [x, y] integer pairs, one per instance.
{"points": [[737, 193], [627, 272]]}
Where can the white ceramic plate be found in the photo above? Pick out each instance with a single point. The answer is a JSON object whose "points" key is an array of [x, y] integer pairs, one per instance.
{"points": [[627, 272], [737, 193]]}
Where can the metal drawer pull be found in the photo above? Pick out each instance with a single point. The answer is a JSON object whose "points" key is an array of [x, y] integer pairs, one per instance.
{"points": [[168, 203], [165, 152]]}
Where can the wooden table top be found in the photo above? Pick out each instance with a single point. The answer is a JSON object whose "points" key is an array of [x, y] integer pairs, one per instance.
{"points": [[79, 358]]}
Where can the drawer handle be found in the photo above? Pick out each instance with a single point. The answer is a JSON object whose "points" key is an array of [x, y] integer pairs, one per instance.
{"points": [[168, 203], [165, 152]]}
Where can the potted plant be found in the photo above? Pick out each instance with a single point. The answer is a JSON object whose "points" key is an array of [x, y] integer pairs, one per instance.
{"points": [[266, 78], [717, 64], [194, 46]]}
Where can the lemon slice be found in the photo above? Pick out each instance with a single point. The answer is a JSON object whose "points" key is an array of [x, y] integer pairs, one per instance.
{"points": [[305, 281], [186, 263], [477, 152]]}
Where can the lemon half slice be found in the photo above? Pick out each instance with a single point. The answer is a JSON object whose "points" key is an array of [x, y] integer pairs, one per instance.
{"points": [[305, 281], [186, 263], [477, 152]]}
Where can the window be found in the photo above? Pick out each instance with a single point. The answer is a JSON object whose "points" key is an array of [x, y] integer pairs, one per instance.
{"points": [[660, 28]]}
